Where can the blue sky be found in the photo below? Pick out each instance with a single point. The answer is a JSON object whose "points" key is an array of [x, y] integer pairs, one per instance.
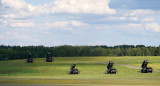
{"points": [[80, 22]]}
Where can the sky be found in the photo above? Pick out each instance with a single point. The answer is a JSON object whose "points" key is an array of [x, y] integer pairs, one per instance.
{"points": [[80, 22]]}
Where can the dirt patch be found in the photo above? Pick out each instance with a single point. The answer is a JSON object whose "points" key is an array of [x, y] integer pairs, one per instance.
{"points": [[134, 67]]}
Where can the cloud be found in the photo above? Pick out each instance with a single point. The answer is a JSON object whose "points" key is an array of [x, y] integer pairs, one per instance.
{"points": [[18, 23], [153, 27], [77, 23], [133, 18], [16, 9], [67, 29], [141, 12], [17, 36], [54, 25], [133, 25], [18, 4], [21, 9], [3, 21], [148, 19], [82, 6], [101, 27], [2, 37], [13, 35], [59, 24], [64, 25], [113, 18], [22, 25]]}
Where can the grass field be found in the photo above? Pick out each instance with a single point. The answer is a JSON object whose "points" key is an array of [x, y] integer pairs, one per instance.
{"points": [[91, 71]]}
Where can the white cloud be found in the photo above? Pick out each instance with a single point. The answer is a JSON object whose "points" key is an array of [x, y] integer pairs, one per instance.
{"points": [[148, 19], [141, 12], [18, 23], [13, 35], [9, 16], [17, 9], [101, 27], [14, 4], [77, 23], [54, 25], [59, 24], [133, 25], [114, 18], [1, 20], [18, 38], [2, 37], [22, 25], [153, 27], [82, 6], [21, 9], [133, 18], [67, 29], [64, 25]]}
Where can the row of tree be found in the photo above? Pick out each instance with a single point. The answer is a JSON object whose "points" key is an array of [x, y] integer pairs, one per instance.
{"points": [[18, 52]]}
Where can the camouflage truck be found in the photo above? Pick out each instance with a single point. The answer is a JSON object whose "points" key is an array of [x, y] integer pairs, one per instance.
{"points": [[74, 70], [146, 69]]}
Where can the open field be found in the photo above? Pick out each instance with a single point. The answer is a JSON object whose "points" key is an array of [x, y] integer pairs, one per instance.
{"points": [[91, 71]]}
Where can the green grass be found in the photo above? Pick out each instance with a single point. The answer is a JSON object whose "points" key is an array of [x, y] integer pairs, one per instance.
{"points": [[91, 71]]}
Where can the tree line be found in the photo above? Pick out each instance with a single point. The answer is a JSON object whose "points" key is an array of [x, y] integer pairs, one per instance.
{"points": [[20, 52]]}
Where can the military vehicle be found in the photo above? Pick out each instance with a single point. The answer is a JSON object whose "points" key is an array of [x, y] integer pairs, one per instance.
{"points": [[110, 69], [29, 59], [74, 70], [49, 58], [146, 69]]}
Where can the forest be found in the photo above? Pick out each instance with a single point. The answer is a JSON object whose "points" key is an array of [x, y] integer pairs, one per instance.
{"points": [[20, 52]]}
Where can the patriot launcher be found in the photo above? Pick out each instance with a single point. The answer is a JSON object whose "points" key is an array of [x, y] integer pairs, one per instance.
{"points": [[110, 68], [146, 69], [29, 59], [49, 58], [74, 70]]}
